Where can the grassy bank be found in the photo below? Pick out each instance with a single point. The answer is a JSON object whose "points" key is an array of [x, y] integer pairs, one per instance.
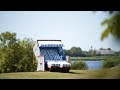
{"points": [[94, 58], [112, 73]]}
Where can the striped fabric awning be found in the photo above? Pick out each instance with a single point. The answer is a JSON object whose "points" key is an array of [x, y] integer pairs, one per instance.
{"points": [[50, 43]]}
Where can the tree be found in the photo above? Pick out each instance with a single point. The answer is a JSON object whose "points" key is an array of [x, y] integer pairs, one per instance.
{"points": [[13, 55], [94, 52], [16, 55], [117, 53], [28, 61], [108, 48], [113, 25], [67, 52], [84, 53], [7, 37], [76, 51], [102, 49], [11, 52]]}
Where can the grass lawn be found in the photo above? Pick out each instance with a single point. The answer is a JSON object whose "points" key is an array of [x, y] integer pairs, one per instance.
{"points": [[112, 73]]}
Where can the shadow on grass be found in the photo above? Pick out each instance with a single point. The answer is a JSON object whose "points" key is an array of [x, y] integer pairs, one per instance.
{"points": [[67, 72], [75, 72]]}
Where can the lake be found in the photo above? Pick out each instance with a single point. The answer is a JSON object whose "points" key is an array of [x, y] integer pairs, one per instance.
{"points": [[92, 64]]}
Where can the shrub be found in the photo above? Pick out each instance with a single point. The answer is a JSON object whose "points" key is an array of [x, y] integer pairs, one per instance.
{"points": [[1, 66], [111, 63], [79, 65], [0, 70]]}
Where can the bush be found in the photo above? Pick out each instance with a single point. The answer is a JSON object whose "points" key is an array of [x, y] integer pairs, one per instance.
{"points": [[111, 63], [0, 70], [79, 65]]}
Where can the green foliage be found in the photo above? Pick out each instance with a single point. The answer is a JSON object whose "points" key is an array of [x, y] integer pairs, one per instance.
{"points": [[16, 55], [7, 37], [79, 65], [102, 49], [1, 69], [26, 63], [67, 52], [105, 33], [113, 26], [111, 62], [108, 48], [76, 51], [117, 53]]}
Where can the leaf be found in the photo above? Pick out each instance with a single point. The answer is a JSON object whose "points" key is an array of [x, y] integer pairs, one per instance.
{"points": [[105, 33], [107, 21]]}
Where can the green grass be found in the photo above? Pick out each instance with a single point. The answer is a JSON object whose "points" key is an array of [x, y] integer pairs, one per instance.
{"points": [[111, 73], [94, 58]]}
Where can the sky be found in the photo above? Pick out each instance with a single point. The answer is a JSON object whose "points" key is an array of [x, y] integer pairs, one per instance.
{"points": [[75, 28]]}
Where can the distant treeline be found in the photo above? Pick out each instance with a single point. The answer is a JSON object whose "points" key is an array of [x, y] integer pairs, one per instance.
{"points": [[78, 52]]}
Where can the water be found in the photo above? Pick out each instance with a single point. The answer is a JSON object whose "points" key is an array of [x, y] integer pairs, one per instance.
{"points": [[92, 64]]}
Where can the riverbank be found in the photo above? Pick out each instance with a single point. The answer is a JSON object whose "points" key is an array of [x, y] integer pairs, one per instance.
{"points": [[111, 73], [94, 58]]}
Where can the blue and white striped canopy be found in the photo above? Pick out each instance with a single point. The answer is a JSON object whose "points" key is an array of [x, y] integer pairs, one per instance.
{"points": [[50, 43]]}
